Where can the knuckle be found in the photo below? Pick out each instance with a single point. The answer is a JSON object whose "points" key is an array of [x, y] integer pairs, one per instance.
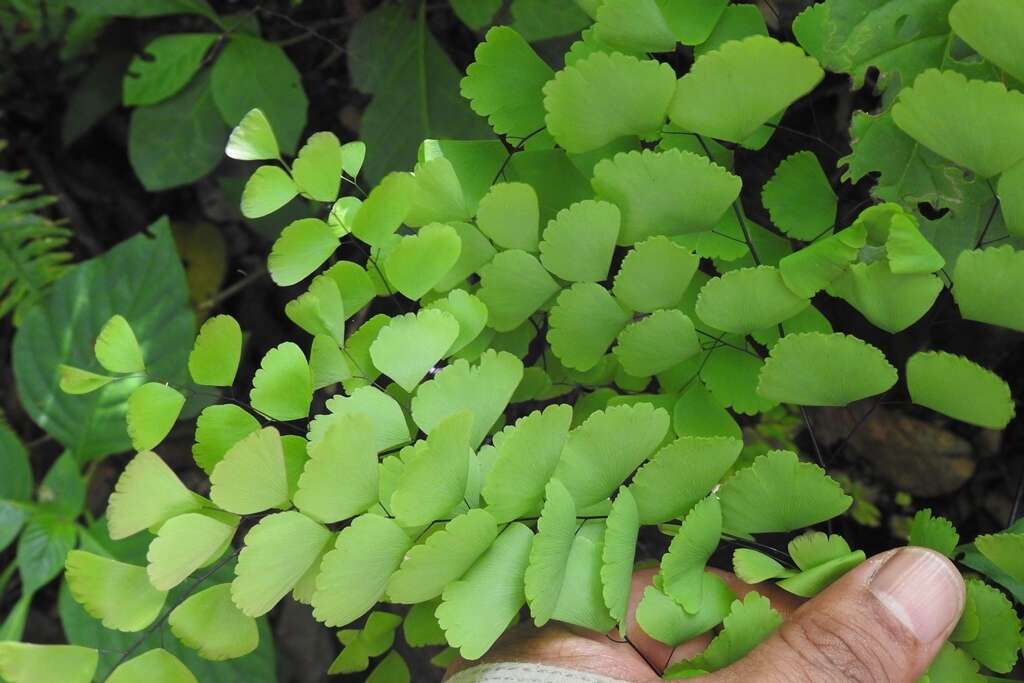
{"points": [[838, 650]]}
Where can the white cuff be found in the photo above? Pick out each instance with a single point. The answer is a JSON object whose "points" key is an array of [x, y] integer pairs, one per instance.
{"points": [[515, 672]]}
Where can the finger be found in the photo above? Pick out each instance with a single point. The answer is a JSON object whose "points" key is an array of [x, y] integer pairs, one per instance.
{"points": [[884, 621]]}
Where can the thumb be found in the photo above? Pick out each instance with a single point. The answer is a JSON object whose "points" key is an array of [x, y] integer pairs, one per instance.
{"points": [[883, 622]]}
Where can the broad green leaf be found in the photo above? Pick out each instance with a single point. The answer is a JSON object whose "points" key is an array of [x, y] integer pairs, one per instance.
{"points": [[410, 345], [17, 483], [117, 593], [317, 168], [991, 28], [578, 244], [282, 387], [604, 97], [1010, 191], [698, 413], [731, 92], [117, 349], [477, 608], [527, 454], [936, 533], [264, 574], [617, 554], [645, 186], [736, 22], [76, 381], [419, 261], [340, 478], [434, 479], [998, 641], [254, 73], [420, 626], [889, 301], [752, 567], [303, 247], [988, 140], [354, 575], [959, 388], [389, 426], [656, 343], [816, 369], [42, 549], [1005, 550], [253, 138], [171, 62], [663, 619], [759, 498], [799, 197], [813, 268], [147, 494], [218, 428], [513, 286], [748, 299], [215, 356], [438, 197], [602, 452], [501, 58], [682, 567], [549, 552], [355, 285], [475, 252], [470, 313], [155, 666], [251, 477], [986, 283], [553, 176], [153, 409], [749, 622], [179, 140], [634, 26], [654, 274], [444, 557], [484, 389], [474, 13], [680, 475], [185, 543], [692, 21], [210, 623], [30, 663], [509, 216], [385, 209], [583, 323], [907, 250], [539, 20], [476, 163], [580, 599], [268, 189]]}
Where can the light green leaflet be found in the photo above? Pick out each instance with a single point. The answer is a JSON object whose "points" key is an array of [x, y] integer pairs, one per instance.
{"points": [[656, 343], [434, 479], [444, 557], [953, 665], [813, 268], [693, 22], [385, 208], [1006, 551], [513, 286], [76, 381], [889, 301], [153, 409], [665, 621], [936, 533], [438, 196], [581, 599], [116, 593], [698, 413], [998, 640], [476, 251], [583, 323], [731, 92], [645, 186], [682, 567], [484, 389], [374, 639], [754, 567], [758, 499], [817, 369], [579, 242], [748, 299], [813, 580], [327, 362], [389, 426], [470, 313], [617, 554], [749, 622], [509, 216], [419, 261], [147, 494], [607, 96], [216, 353], [251, 477], [353, 154], [253, 139], [731, 377], [264, 574], [340, 479], [1010, 191], [320, 309], [187, 542], [354, 575], [355, 285], [28, 663], [283, 387], [420, 626], [477, 608], [218, 428], [268, 189], [986, 284], [410, 345], [959, 388], [992, 28], [988, 140], [549, 552], [117, 349], [210, 623], [654, 274], [799, 197], [317, 168], [605, 449], [504, 56], [156, 666], [303, 247], [634, 26]]}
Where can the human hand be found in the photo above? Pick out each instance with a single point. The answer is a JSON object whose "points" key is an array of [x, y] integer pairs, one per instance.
{"points": [[884, 621]]}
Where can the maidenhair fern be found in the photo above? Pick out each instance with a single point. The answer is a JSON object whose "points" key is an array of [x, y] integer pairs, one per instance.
{"points": [[587, 309]]}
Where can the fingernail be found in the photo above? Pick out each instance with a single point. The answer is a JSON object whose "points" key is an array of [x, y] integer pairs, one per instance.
{"points": [[922, 589]]}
